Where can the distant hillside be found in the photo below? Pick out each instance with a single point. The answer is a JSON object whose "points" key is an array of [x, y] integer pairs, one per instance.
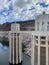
{"points": [[24, 25], [5, 26]]}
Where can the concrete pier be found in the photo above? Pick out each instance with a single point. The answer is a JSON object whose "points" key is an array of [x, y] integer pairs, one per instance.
{"points": [[15, 45], [15, 49]]}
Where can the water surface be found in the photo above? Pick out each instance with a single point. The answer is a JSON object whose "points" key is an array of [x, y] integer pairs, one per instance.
{"points": [[4, 56]]}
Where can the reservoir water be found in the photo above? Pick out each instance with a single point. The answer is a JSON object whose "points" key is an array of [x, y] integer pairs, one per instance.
{"points": [[4, 56]]}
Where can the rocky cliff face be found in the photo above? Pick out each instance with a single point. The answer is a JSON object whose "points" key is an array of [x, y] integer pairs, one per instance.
{"points": [[5, 26], [24, 25]]}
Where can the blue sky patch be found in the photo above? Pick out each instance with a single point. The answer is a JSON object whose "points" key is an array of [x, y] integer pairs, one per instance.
{"points": [[32, 8], [17, 10], [44, 5]]}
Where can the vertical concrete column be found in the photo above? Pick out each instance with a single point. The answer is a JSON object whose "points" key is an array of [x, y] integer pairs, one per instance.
{"points": [[40, 26], [46, 26], [13, 48], [20, 48], [47, 50], [10, 45], [16, 49], [32, 50], [36, 25], [38, 50]]}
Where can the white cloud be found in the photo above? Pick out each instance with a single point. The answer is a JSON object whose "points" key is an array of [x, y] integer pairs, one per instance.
{"points": [[1, 7], [25, 0], [22, 5]]}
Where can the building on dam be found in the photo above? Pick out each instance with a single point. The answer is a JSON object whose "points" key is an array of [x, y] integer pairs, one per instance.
{"points": [[15, 45], [40, 40]]}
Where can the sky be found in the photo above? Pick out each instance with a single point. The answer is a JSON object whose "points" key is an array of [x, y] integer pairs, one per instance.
{"points": [[20, 10]]}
